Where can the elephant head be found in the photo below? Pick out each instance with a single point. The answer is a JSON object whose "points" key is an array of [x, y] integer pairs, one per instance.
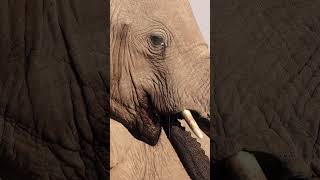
{"points": [[160, 70], [159, 66]]}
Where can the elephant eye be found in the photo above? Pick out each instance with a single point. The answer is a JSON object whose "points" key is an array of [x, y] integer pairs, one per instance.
{"points": [[157, 40]]}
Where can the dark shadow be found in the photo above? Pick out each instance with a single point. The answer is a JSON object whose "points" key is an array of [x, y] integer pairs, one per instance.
{"points": [[9, 171], [273, 168], [270, 165], [220, 172]]}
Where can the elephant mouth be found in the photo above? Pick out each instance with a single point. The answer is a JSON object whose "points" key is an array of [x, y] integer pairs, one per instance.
{"points": [[188, 149], [197, 124], [152, 119]]}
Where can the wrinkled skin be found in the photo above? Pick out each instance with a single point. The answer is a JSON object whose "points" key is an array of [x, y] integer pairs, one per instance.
{"points": [[267, 85], [148, 78], [53, 97]]}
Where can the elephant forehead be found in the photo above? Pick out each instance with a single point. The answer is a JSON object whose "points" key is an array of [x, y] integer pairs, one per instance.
{"points": [[165, 10], [175, 15]]}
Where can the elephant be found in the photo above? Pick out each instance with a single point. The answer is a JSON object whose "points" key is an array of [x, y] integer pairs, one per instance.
{"points": [[63, 76], [265, 100], [159, 73], [53, 89]]}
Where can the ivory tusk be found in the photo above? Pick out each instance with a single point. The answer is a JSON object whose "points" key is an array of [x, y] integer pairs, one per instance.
{"points": [[192, 123]]}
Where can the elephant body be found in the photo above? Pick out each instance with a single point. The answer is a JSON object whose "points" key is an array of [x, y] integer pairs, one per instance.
{"points": [[53, 105], [267, 83]]}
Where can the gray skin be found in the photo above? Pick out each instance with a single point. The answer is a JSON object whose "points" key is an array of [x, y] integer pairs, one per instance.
{"points": [[267, 85], [159, 67], [53, 97]]}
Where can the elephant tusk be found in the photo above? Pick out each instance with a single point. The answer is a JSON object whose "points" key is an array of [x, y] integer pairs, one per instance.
{"points": [[192, 123]]}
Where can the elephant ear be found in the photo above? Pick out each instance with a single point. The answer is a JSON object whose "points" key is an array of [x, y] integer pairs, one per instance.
{"points": [[150, 133]]}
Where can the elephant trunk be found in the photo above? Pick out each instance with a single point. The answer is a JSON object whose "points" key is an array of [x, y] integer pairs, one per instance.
{"points": [[192, 156], [195, 93]]}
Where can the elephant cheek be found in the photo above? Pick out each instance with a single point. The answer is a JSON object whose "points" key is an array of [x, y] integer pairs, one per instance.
{"points": [[149, 128], [151, 135]]}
